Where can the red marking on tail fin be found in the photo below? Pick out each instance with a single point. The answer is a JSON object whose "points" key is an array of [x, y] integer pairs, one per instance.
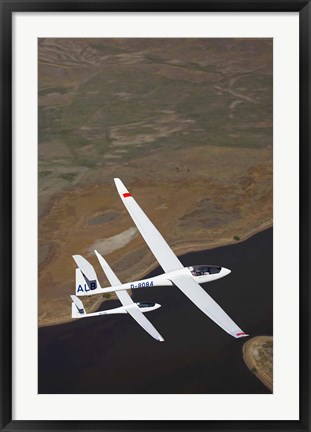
{"points": [[127, 194]]}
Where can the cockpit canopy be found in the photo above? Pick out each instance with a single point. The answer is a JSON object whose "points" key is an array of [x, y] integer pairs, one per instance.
{"points": [[145, 304], [201, 270]]}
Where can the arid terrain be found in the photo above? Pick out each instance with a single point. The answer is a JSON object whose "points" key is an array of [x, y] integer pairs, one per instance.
{"points": [[185, 123], [258, 355]]}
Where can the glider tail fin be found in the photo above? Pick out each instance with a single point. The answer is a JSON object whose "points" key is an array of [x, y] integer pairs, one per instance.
{"points": [[77, 308], [81, 283], [86, 279]]}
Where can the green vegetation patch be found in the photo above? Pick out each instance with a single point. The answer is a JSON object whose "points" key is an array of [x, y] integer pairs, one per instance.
{"points": [[51, 90], [69, 176], [45, 173]]}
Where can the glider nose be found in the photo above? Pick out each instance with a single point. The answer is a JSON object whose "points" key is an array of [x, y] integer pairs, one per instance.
{"points": [[225, 271]]}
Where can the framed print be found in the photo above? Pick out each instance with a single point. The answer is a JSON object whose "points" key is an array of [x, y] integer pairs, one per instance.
{"points": [[155, 158]]}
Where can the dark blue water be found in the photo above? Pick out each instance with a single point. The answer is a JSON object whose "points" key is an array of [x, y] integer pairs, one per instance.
{"points": [[112, 354]]}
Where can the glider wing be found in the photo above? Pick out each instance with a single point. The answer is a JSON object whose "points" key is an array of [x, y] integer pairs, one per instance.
{"points": [[140, 318], [122, 295], [158, 246], [130, 307], [207, 305]]}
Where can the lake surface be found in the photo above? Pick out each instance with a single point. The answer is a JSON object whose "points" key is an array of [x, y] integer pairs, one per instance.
{"points": [[112, 354]]}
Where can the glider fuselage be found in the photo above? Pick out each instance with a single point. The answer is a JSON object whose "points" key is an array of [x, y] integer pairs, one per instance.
{"points": [[200, 273]]}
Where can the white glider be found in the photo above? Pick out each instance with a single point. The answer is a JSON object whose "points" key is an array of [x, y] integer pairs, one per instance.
{"points": [[187, 279], [136, 310]]}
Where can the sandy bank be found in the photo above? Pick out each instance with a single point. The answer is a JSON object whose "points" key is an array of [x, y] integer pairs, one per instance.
{"points": [[258, 356]]}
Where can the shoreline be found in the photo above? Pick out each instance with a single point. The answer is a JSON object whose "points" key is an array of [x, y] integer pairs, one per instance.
{"points": [[182, 250], [259, 359]]}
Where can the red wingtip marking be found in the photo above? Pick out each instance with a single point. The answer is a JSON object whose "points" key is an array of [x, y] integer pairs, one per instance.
{"points": [[127, 194], [241, 334]]}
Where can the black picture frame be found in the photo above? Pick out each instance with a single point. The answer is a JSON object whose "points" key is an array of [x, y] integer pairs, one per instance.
{"points": [[7, 10]]}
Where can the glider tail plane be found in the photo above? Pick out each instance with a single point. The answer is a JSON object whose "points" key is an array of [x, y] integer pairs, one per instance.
{"points": [[77, 308], [86, 279]]}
